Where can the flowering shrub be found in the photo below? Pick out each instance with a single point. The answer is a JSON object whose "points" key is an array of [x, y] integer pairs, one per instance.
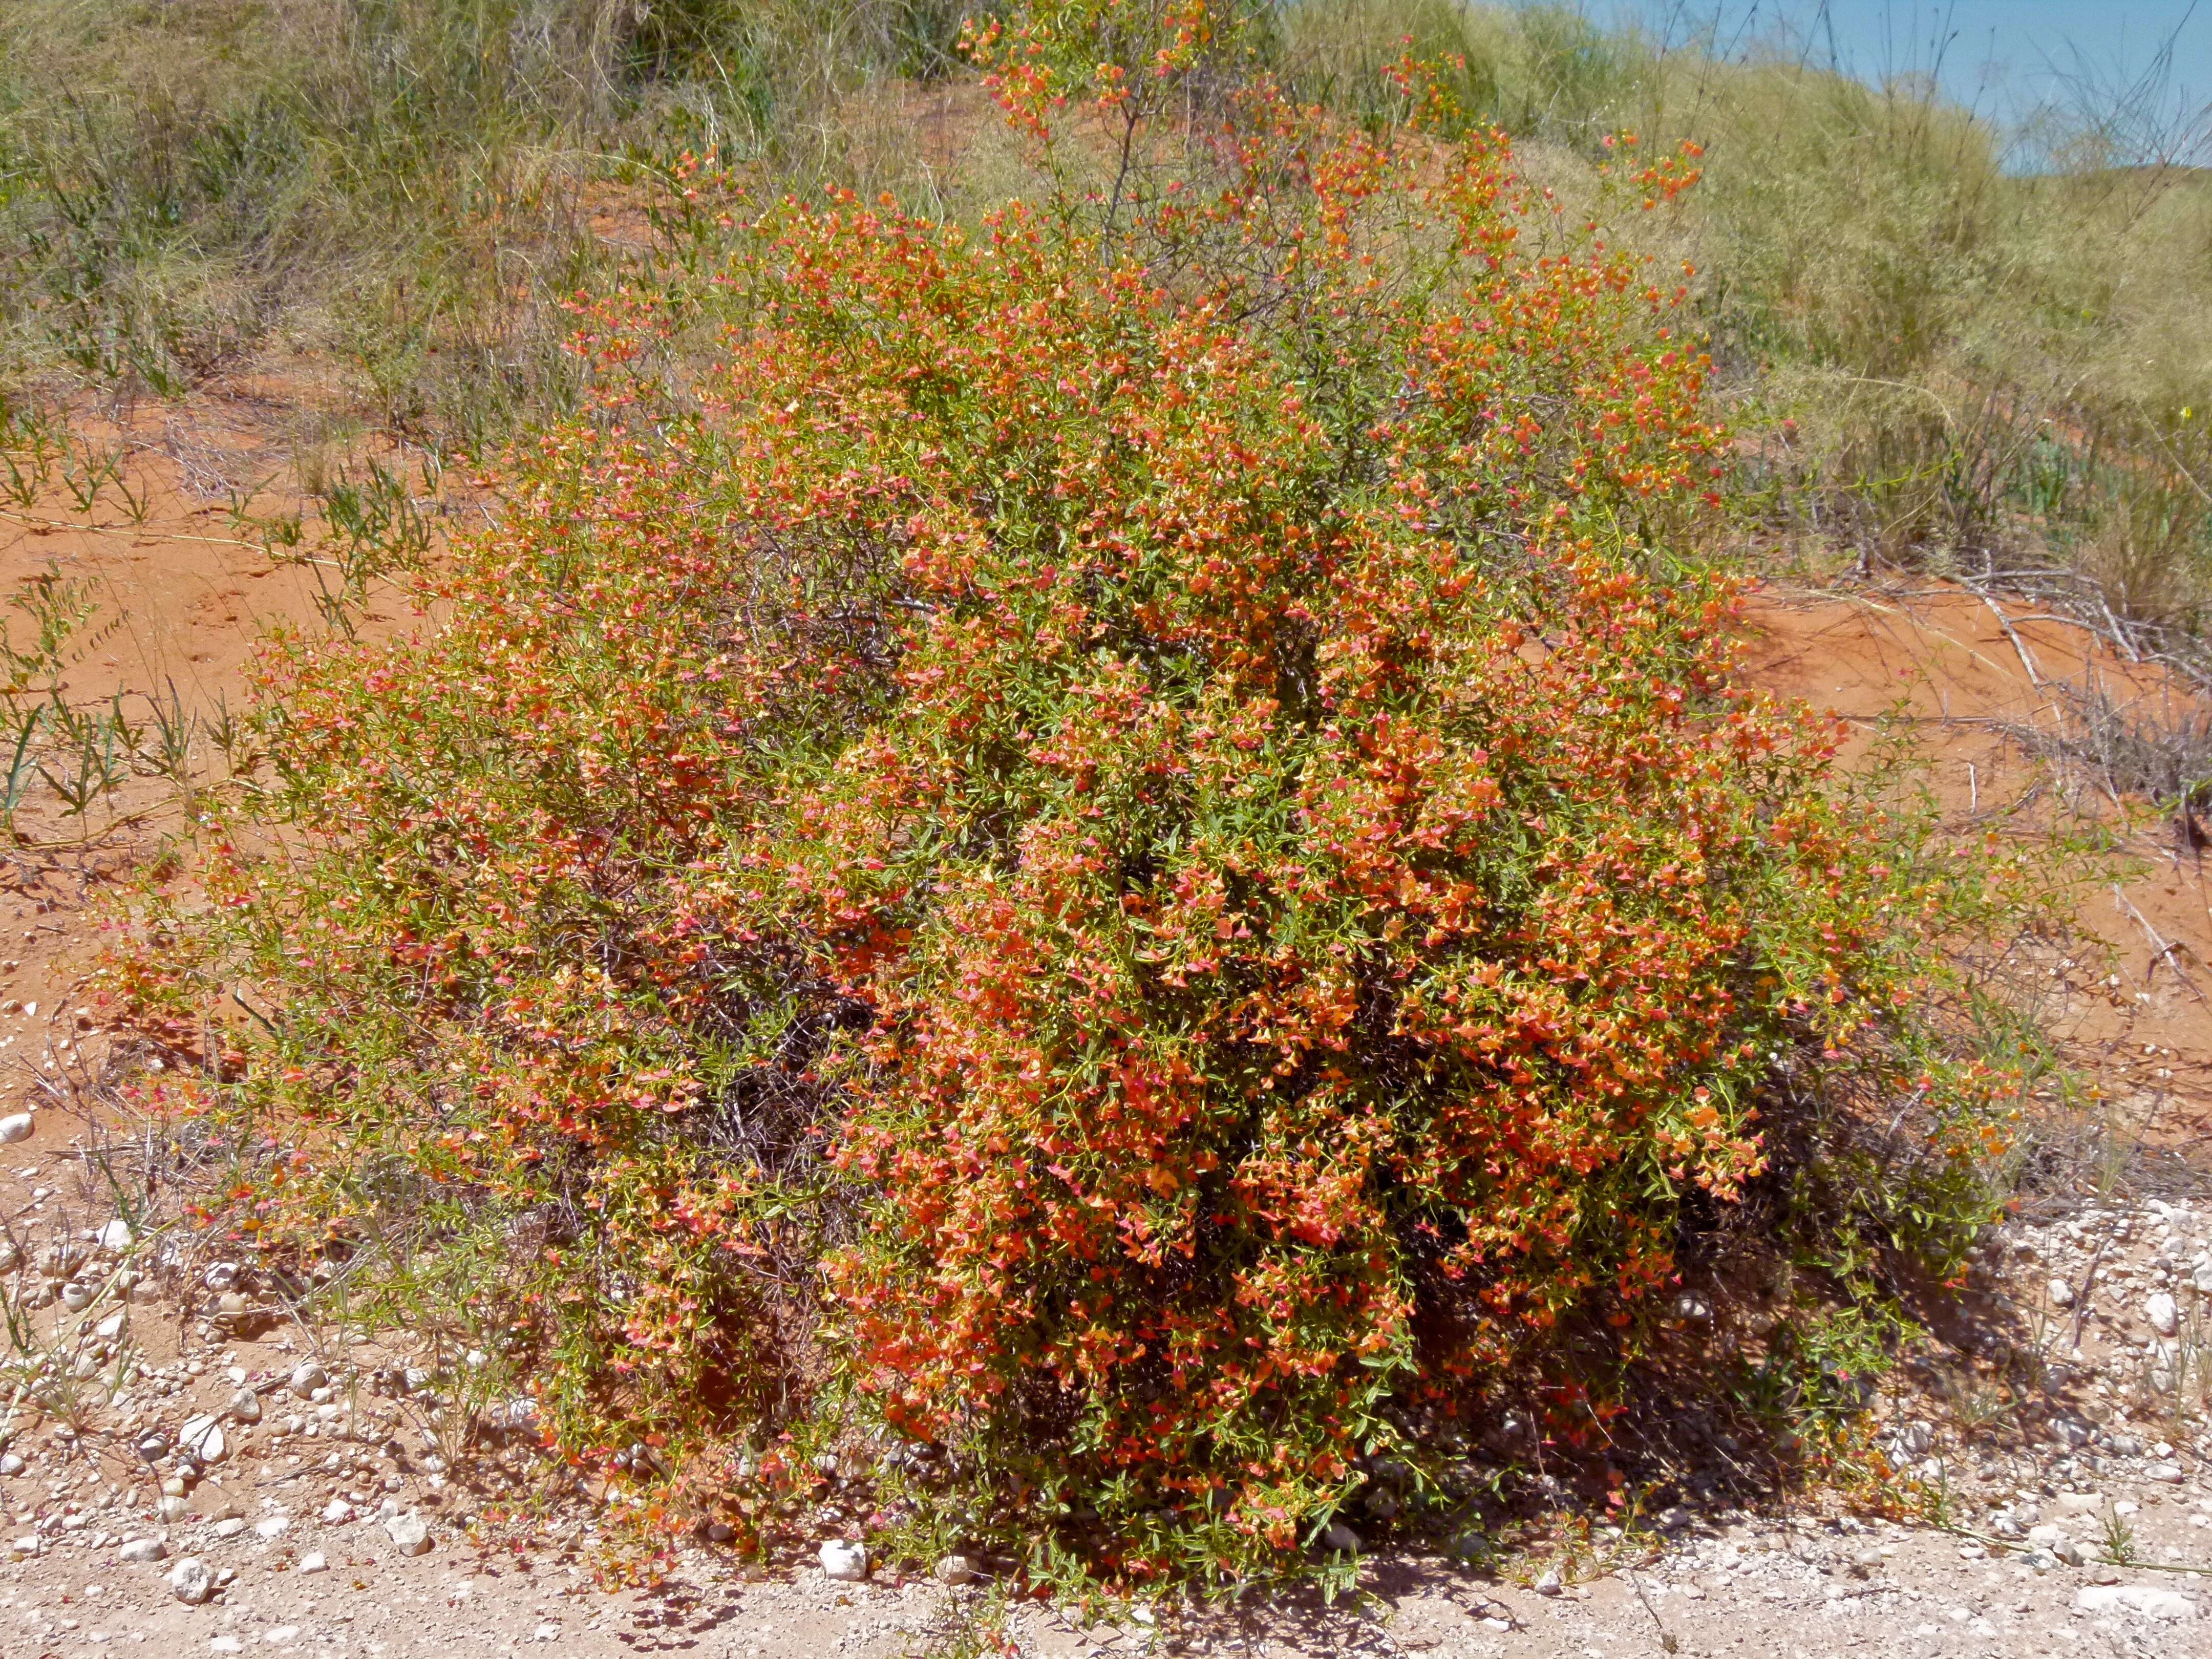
{"points": [[1134, 791]]}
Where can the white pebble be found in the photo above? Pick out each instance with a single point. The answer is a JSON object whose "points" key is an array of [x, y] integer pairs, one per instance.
{"points": [[2164, 1318], [2170, 1605], [201, 1437], [191, 1581]]}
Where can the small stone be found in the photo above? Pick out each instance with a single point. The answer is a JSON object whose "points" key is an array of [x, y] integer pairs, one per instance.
{"points": [[170, 1507], [274, 1526], [1340, 1539], [233, 1308], [2152, 1603], [2164, 1315], [245, 1407], [954, 1569], [2060, 1292], [114, 1237], [2166, 1473], [142, 1549], [1866, 1562], [845, 1562], [191, 1581], [230, 1527], [16, 1126], [11, 1464], [201, 1439], [1549, 1584], [77, 1297], [306, 1377], [409, 1534], [110, 1328], [29, 1545], [314, 1561], [336, 1512]]}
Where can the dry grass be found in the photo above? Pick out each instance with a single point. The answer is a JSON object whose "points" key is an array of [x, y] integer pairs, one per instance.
{"points": [[400, 188], [1932, 361]]}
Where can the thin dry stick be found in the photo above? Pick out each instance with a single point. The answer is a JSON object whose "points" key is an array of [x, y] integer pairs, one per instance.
{"points": [[2082, 1295], [2161, 951], [33, 522], [2120, 634], [2018, 645], [1666, 1637], [1992, 1541]]}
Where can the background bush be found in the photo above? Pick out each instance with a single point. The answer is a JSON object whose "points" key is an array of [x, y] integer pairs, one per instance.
{"points": [[1937, 359]]}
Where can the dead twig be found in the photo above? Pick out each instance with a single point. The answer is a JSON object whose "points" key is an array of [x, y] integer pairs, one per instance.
{"points": [[2160, 950]]}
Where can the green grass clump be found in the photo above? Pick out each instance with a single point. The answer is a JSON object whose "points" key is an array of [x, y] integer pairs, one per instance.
{"points": [[403, 192]]}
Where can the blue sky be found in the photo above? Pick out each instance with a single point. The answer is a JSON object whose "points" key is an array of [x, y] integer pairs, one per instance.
{"points": [[2003, 57]]}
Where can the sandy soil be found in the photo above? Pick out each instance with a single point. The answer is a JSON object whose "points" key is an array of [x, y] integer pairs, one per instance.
{"points": [[326, 1482], [309, 1548]]}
